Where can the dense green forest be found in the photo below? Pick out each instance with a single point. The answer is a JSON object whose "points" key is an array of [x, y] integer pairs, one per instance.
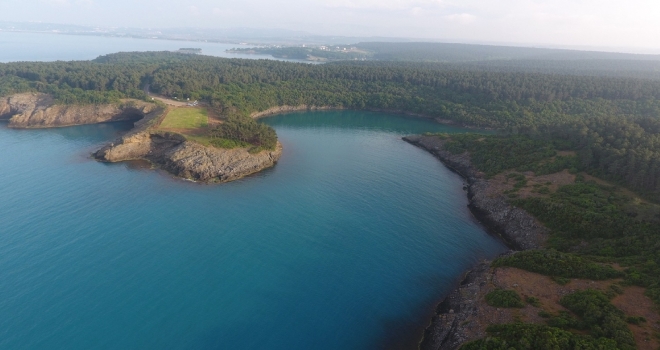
{"points": [[613, 122]]}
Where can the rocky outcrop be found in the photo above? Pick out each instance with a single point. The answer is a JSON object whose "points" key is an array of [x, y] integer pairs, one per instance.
{"points": [[208, 164], [34, 110], [449, 326], [518, 229], [187, 159]]}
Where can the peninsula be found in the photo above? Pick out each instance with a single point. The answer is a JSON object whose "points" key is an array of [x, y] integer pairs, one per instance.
{"points": [[178, 142]]}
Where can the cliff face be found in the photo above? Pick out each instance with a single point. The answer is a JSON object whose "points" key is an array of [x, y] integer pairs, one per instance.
{"points": [[518, 229], [33, 110], [448, 326]]}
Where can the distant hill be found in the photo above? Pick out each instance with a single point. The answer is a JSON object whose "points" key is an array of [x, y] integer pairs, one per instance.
{"points": [[445, 52]]}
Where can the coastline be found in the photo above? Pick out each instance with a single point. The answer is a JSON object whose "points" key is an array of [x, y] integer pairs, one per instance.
{"points": [[302, 108], [448, 328]]}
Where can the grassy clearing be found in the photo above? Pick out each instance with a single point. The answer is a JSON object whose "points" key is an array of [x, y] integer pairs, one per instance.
{"points": [[186, 118]]}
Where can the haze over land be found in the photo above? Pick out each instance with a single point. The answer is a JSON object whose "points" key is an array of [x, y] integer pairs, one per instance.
{"points": [[604, 25]]}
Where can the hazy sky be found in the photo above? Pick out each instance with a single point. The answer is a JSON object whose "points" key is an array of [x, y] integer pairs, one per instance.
{"points": [[595, 23]]}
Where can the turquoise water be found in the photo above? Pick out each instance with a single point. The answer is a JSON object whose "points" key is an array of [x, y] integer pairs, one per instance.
{"points": [[347, 243]]}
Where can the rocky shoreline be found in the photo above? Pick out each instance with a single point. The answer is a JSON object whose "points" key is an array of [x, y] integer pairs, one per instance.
{"points": [[288, 109], [170, 151], [35, 110], [188, 160], [449, 329]]}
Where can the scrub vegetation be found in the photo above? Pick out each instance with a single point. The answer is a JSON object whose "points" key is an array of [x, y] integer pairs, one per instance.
{"points": [[504, 298], [595, 225]]}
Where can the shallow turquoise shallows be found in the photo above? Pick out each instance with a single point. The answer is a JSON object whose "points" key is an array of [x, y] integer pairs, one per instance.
{"points": [[347, 243]]}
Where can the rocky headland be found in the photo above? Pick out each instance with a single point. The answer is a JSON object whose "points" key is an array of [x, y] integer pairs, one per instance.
{"points": [[456, 318], [186, 159], [35, 110], [168, 150]]}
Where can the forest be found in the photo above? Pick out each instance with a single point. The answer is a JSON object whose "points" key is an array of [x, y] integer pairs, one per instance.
{"points": [[612, 122]]}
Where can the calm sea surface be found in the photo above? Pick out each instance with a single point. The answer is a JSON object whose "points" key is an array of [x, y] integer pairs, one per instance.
{"points": [[347, 243], [16, 46]]}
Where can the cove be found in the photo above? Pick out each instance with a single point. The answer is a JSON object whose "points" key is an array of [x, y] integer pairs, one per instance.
{"points": [[347, 243]]}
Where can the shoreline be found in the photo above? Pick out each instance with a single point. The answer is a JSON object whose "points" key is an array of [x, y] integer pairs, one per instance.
{"points": [[273, 111], [514, 227]]}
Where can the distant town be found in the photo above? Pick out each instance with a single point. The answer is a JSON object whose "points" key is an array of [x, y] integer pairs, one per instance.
{"points": [[321, 53]]}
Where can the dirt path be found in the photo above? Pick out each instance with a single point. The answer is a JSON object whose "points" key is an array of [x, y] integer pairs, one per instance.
{"points": [[164, 99]]}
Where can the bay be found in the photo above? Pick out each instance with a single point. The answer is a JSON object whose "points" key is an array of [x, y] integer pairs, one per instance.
{"points": [[347, 243]]}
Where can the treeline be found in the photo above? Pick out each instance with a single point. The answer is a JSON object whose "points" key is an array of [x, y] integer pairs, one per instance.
{"points": [[622, 149], [244, 131]]}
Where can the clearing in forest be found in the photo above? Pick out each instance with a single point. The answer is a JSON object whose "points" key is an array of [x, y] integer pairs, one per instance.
{"points": [[186, 118]]}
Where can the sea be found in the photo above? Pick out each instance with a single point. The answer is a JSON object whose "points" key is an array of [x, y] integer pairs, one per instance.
{"points": [[349, 242]]}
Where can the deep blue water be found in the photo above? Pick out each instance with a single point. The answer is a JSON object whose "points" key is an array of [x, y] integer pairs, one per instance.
{"points": [[347, 243]]}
